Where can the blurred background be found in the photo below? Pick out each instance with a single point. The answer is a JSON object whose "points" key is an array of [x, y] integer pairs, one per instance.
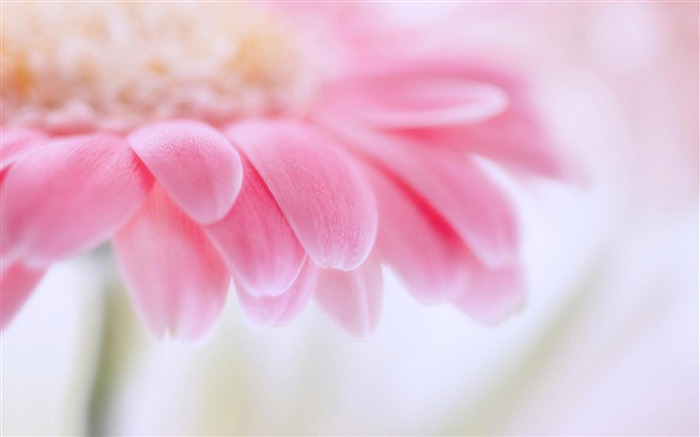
{"points": [[606, 345]]}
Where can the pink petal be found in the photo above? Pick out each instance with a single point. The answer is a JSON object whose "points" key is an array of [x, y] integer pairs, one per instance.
{"points": [[493, 295], [256, 241], [329, 206], [512, 138], [70, 195], [418, 244], [456, 65], [194, 163], [17, 282], [15, 143], [417, 100], [175, 274], [273, 311], [352, 299], [457, 188]]}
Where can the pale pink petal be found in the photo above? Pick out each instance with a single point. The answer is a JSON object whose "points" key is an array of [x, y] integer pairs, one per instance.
{"points": [[256, 241], [399, 100], [455, 65], [329, 205], [352, 299], [17, 282], [177, 277], [70, 195], [272, 311], [490, 295], [15, 143], [418, 244], [512, 138], [194, 163], [457, 188]]}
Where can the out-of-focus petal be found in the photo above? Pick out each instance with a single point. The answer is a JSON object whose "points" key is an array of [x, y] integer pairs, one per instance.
{"points": [[457, 188], [194, 163], [490, 295], [410, 101], [15, 143], [329, 206], [69, 195], [272, 311], [513, 138], [16, 284], [353, 299], [176, 275], [256, 241], [418, 244]]}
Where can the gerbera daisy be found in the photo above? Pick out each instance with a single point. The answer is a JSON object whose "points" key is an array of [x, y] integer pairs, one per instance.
{"points": [[293, 152]]}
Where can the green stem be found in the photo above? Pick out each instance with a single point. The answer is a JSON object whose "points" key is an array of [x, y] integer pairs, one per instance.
{"points": [[116, 351]]}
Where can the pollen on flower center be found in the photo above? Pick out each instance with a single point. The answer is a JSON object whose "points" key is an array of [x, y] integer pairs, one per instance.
{"points": [[77, 66]]}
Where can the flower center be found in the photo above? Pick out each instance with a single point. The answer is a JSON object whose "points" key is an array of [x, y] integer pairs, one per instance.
{"points": [[83, 66]]}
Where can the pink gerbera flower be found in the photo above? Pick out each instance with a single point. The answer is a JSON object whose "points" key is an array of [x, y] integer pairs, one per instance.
{"points": [[215, 142]]}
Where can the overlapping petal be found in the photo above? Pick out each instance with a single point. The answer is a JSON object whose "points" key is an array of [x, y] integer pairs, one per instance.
{"points": [[256, 240], [491, 295], [15, 143], [353, 299], [69, 195], [457, 188], [273, 311], [418, 244], [16, 284], [401, 101], [176, 275], [330, 207], [194, 163], [513, 138], [507, 131]]}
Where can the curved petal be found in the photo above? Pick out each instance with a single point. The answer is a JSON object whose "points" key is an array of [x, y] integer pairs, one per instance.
{"points": [[418, 244], [513, 138], [17, 282], [273, 311], [491, 296], [15, 143], [457, 188], [70, 195], [399, 101], [175, 274], [328, 205], [352, 299], [256, 241], [194, 163]]}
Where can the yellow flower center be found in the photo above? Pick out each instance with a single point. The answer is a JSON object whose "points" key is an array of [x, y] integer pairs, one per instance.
{"points": [[82, 66]]}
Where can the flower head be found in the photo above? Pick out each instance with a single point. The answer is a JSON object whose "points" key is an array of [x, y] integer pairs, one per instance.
{"points": [[218, 142]]}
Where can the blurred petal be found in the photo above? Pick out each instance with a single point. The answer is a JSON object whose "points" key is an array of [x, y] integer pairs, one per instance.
{"points": [[412, 100], [70, 195], [512, 138], [352, 299], [175, 274], [457, 188], [490, 296], [194, 163], [14, 143], [330, 208], [256, 241], [418, 244], [272, 311], [16, 284]]}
